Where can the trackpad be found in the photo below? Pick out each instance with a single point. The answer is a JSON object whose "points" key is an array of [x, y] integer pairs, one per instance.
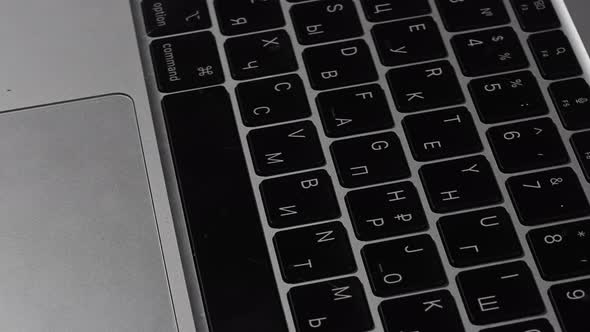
{"points": [[79, 249]]}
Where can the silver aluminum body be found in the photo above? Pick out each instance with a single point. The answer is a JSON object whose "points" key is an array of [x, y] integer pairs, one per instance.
{"points": [[66, 50]]}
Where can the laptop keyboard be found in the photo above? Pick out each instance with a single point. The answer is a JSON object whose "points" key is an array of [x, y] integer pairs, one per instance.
{"points": [[316, 126]]}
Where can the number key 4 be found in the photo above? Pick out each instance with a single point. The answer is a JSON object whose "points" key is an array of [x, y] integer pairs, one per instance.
{"points": [[489, 51]]}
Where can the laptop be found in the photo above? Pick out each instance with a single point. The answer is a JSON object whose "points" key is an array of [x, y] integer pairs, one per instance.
{"points": [[288, 165]]}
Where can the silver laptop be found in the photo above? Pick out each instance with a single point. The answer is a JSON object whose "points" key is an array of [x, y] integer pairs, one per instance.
{"points": [[293, 165]]}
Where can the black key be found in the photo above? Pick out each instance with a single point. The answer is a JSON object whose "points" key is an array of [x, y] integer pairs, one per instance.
{"points": [[548, 196], [562, 251], [572, 305], [536, 15], [409, 41], [286, 148], [228, 244], [500, 293], [528, 145], [489, 51], [369, 160], [186, 62], [581, 144], [425, 86], [355, 110], [272, 100], [442, 134], [333, 306], [538, 325], [324, 21], [460, 184], [385, 211], [554, 55], [243, 16], [337, 65], [166, 17], [299, 199], [403, 266], [479, 237], [314, 252], [384, 10], [428, 312], [263, 54], [472, 14], [572, 100], [508, 97]]}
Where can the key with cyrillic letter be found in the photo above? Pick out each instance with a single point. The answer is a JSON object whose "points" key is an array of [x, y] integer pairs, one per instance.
{"points": [[333, 306], [500, 293]]}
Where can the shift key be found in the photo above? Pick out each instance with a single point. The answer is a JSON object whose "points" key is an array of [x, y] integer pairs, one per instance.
{"points": [[186, 62]]}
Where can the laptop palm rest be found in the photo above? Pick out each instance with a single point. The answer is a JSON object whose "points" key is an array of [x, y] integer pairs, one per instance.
{"points": [[79, 248]]}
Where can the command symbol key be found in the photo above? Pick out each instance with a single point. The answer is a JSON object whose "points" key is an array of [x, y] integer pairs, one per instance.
{"points": [[186, 62]]}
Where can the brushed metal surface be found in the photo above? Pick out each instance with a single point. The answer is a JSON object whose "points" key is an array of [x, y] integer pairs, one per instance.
{"points": [[70, 49], [374, 301], [78, 245], [62, 50]]}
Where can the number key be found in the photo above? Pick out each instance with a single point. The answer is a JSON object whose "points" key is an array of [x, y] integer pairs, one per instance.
{"points": [[572, 304], [527, 145], [548, 196], [562, 251], [489, 51], [508, 97], [472, 14]]}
